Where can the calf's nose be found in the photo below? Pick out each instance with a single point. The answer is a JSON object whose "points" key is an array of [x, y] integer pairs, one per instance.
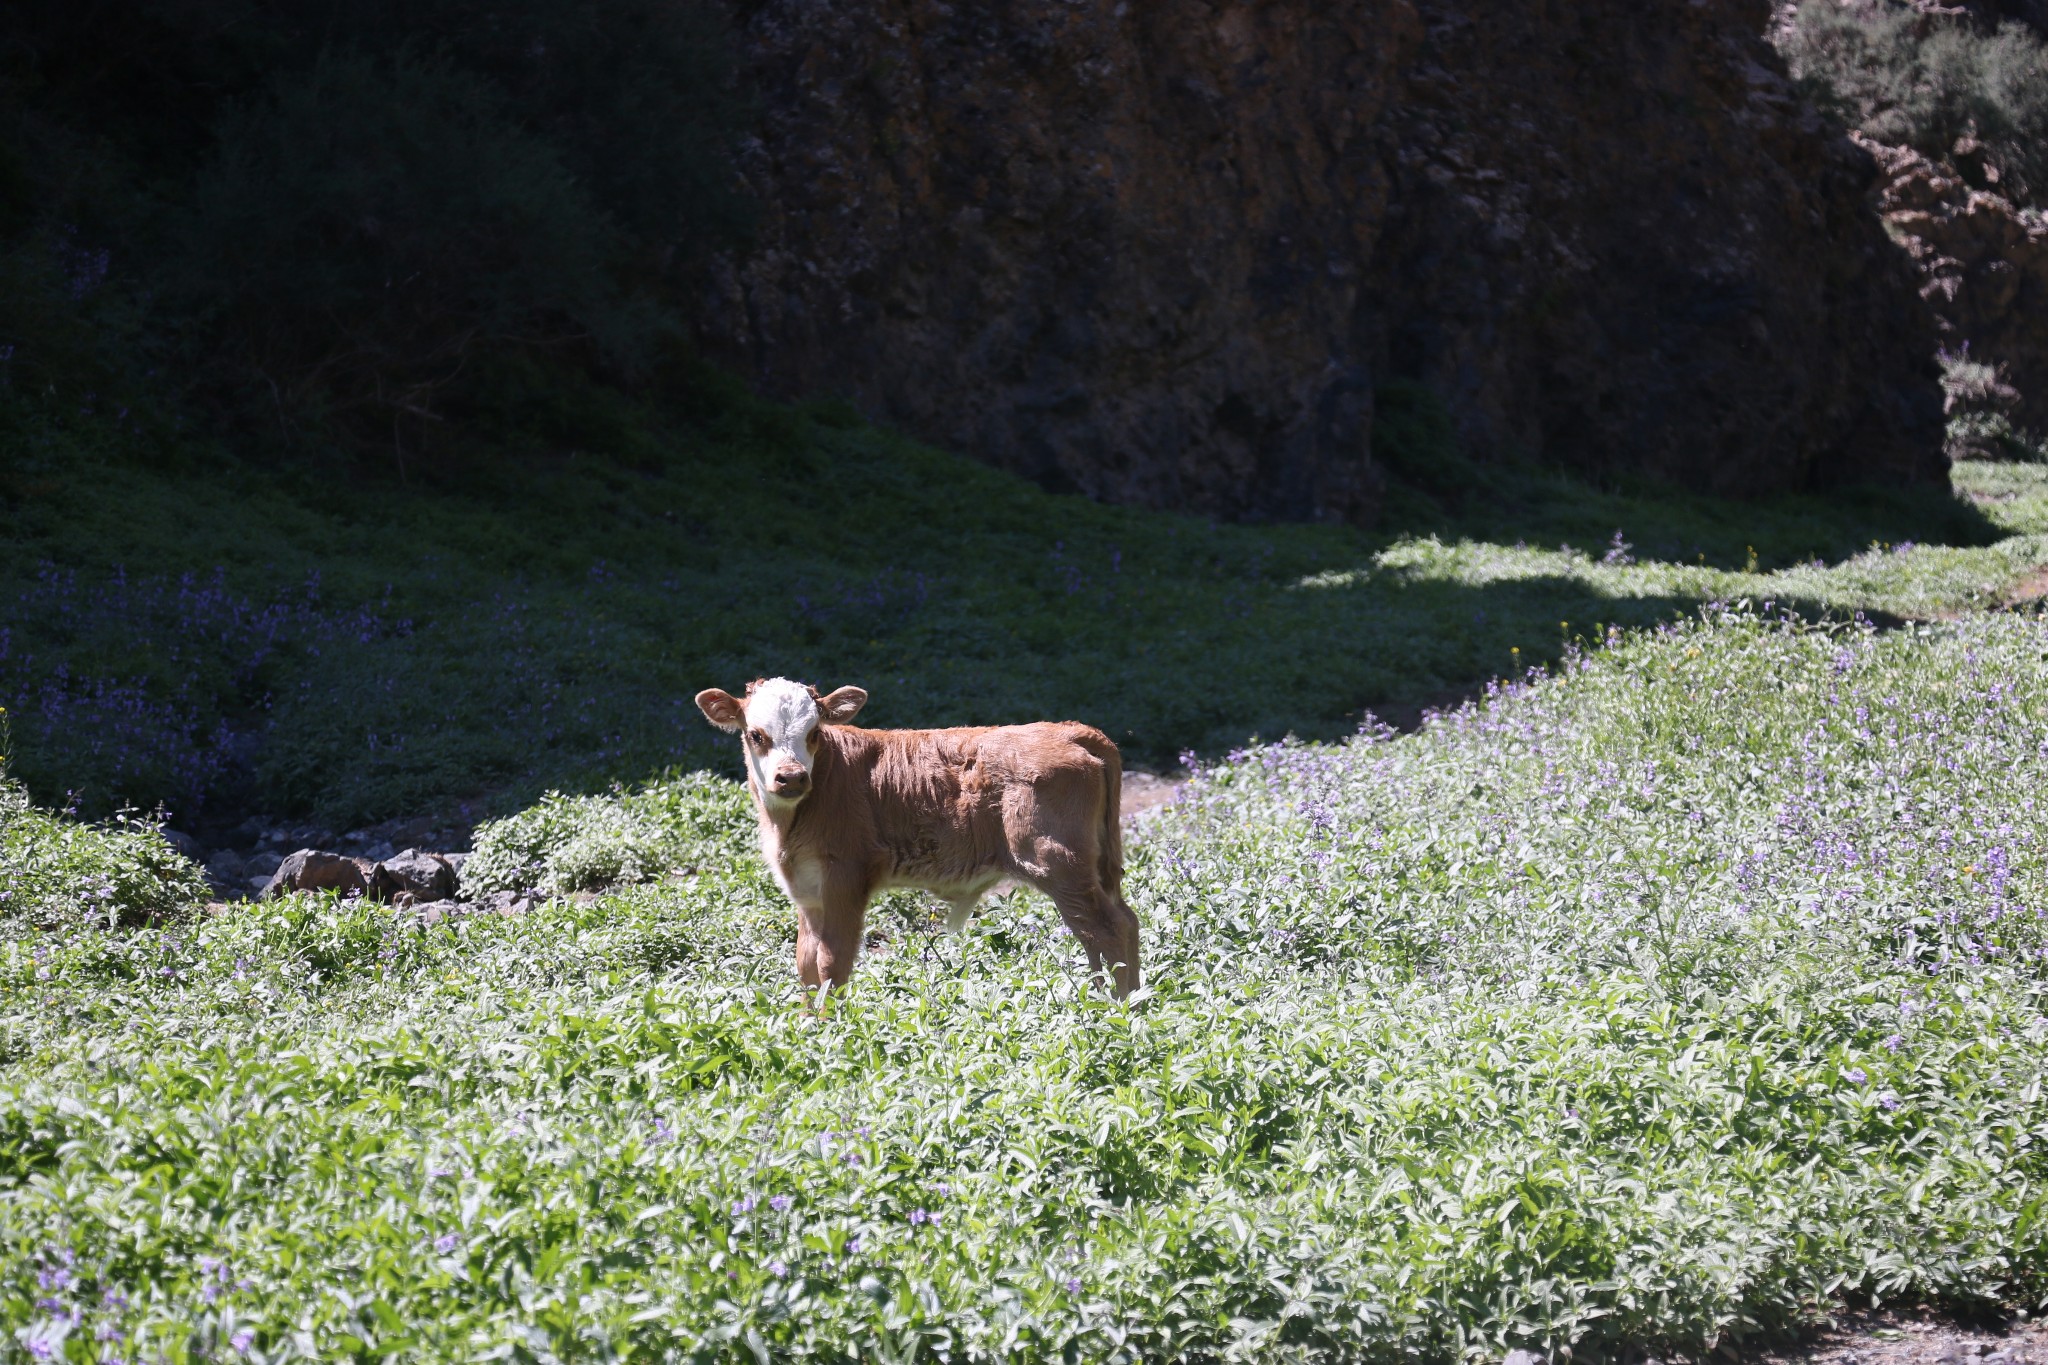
{"points": [[791, 779]]}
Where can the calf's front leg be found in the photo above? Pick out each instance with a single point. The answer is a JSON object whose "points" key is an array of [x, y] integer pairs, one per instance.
{"points": [[828, 935]]}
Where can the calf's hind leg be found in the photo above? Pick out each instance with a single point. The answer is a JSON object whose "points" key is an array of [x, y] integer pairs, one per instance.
{"points": [[1101, 921]]}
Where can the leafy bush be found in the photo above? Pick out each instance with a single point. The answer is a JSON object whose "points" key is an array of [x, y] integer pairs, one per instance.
{"points": [[367, 226], [586, 843], [58, 874], [1413, 437], [342, 207], [1904, 76], [1979, 403]]}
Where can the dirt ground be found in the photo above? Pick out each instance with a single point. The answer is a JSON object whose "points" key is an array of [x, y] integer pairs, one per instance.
{"points": [[1144, 791], [1877, 1339], [1901, 1339]]}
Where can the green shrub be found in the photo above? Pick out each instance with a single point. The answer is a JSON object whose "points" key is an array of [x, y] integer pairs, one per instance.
{"points": [[1413, 438], [1980, 403], [58, 874], [585, 843], [367, 226], [1907, 77], [342, 208]]}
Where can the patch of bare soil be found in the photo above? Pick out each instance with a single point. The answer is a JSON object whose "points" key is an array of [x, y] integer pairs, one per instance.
{"points": [[1143, 791], [2031, 588], [1900, 1339]]}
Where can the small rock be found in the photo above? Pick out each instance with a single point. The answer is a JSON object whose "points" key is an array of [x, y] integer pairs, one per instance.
{"points": [[508, 902], [433, 912], [455, 860], [312, 870], [258, 885], [425, 876], [380, 850], [184, 843], [1523, 1358], [262, 863], [227, 868]]}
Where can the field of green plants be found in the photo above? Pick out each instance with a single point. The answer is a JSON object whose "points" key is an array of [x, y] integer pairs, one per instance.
{"points": [[1658, 1001]]}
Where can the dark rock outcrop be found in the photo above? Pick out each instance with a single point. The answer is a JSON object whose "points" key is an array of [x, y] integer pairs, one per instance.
{"points": [[1165, 254], [1984, 270]]}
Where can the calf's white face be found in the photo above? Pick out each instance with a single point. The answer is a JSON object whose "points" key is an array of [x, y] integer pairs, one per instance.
{"points": [[778, 724]]}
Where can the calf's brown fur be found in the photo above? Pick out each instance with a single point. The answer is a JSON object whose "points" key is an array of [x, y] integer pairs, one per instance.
{"points": [[948, 811]]}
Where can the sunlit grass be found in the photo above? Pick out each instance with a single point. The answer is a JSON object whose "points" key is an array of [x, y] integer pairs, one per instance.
{"points": [[1905, 580]]}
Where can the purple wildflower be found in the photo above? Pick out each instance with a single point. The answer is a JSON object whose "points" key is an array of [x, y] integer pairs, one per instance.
{"points": [[780, 1203]]}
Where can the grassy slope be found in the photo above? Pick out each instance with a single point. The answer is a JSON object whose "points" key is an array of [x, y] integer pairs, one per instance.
{"points": [[543, 622], [1652, 1003]]}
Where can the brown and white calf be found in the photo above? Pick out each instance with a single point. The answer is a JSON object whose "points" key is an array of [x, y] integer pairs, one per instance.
{"points": [[846, 813]]}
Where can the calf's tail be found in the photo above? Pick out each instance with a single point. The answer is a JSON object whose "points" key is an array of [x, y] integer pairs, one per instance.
{"points": [[1110, 865]]}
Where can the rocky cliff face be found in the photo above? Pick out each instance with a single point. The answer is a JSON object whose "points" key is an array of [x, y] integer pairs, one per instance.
{"points": [[1983, 264], [1165, 254]]}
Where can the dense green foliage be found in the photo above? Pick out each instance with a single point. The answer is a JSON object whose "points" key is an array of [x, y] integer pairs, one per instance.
{"points": [[587, 843], [1650, 1004], [226, 636], [340, 212], [56, 873], [1906, 76]]}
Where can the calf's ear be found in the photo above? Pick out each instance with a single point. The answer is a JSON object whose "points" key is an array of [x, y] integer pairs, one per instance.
{"points": [[843, 705], [721, 708]]}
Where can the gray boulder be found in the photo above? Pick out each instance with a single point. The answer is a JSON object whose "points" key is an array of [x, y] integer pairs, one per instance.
{"points": [[422, 876], [226, 870], [311, 870]]}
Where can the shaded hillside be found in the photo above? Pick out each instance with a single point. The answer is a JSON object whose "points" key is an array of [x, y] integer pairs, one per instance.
{"points": [[1168, 256]]}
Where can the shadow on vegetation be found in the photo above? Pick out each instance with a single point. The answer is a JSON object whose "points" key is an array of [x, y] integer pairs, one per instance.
{"points": [[538, 611]]}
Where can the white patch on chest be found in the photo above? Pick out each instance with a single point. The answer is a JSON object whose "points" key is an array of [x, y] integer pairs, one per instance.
{"points": [[801, 877]]}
